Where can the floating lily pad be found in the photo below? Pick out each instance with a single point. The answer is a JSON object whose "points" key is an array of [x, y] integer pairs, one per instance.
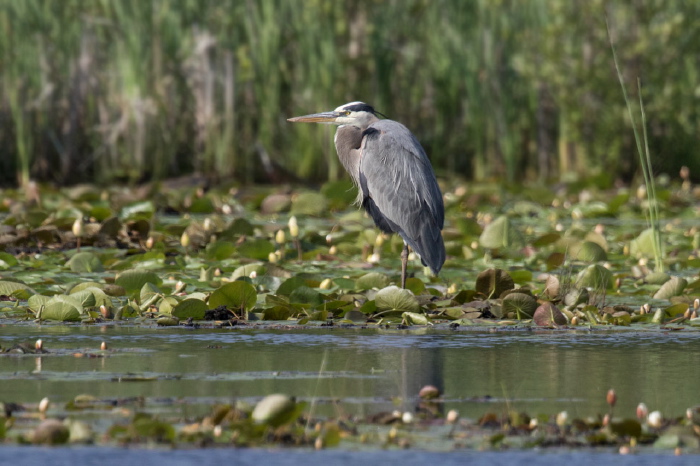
{"points": [[85, 262], [500, 234], [673, 287], [493, 282], [134, 279], [372, 280], [523, 305], [190, 308], [595, 276], [236, 295], [396, 299]]}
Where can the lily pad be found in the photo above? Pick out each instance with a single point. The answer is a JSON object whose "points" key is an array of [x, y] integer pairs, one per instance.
{"points": [[194, 308], [309, 203], [493, 282], [275, 410], [85, 262], [62, 308], [595, 276], [237, 295], [134, 279], [500, 234], [396, 299], [673, 287], [523, 305], [372, 280]]}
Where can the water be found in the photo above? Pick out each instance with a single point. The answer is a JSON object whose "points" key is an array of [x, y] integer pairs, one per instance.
{"points": [[359, 371], [89, 456]]}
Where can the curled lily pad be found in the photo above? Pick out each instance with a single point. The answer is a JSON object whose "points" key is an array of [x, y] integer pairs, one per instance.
{"points": [[522, 304], [673, 287], [134, 279], [62, 308], [393, 298], [190, 308], [414, 318], [309, 203], [237, 295], [643, 245], [51, 432], [588, 251], [548, 315], [275, 410], [595, 276], [493, 282], [372, 280], [247, 270], [500, 234]]}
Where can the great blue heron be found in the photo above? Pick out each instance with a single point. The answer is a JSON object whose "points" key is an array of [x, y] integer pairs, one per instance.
{"points": [[396, 183]]}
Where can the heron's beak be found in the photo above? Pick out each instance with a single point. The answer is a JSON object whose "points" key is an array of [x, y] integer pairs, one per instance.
{"points": [[323, 117]]}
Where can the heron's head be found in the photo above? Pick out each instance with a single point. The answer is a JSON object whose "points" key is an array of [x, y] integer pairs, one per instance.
{"points": [[355, 113]]}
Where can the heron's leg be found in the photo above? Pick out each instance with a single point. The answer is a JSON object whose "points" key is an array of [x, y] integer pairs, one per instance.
{"points": [[404, 263]]}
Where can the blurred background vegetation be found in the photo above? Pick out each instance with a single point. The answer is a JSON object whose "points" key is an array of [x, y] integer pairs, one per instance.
{"points": [[134, 90]]}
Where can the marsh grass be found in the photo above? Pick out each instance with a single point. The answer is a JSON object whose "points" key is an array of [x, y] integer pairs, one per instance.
{"points": [[133, 90], [642, 143]]}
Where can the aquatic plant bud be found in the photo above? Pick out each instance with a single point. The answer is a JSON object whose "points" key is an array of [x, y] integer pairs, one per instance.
{"points": [[44, 405], [272, 258], [326, 284], [379, 241], [39, 345], [280, 237], [574, 320], [685, 173], [452, 289], [185, 240], [642, 192], [625, 450], [429, 392], [533, 423], [611, 398], [217, 431], [645, 309], [105, 312], [318, 443], [103, 346], [452, 416], [149, 242], [180, 286], [333, 250], [293, 227], [694, 314], [696, 304], [606, 420], [642, 411], [407, 417], [253, 274], [655, 419], [373, 258], [562, 418], [78, 227]]}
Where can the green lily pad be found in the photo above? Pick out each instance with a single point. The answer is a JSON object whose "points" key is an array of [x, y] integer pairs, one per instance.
{"points": [[309, 203], [595, 276], [673, 287], [393, 298], [500, 234], [237, 295], [194, 308], [247, 270], [62, 308], [493, 282], [258, 249], [523, 305], [372, 280], [85, 262], [134, 279], [589, 251]]}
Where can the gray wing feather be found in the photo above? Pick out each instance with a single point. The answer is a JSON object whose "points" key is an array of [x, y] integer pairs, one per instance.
{"points": [[399, 179]]}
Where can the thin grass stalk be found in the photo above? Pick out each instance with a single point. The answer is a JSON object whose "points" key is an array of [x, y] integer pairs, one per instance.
{"points": [[644, 158]]}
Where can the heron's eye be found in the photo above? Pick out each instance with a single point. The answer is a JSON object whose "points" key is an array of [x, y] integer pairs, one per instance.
{"points": [[347, 112]]}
